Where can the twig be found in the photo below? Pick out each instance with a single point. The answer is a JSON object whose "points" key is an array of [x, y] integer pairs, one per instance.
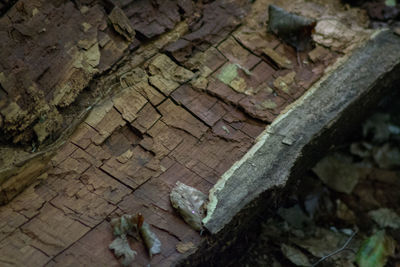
{"points": [[337, 251]]}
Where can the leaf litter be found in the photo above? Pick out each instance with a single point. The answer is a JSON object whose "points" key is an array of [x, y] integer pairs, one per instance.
{"points": [[345, 211]]}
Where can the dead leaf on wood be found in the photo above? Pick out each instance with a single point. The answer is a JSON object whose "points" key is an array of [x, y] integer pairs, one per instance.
{"points": [[121, 248], [184, 247], [293, 29], [132, 225], [151, 240], [190, 204]]}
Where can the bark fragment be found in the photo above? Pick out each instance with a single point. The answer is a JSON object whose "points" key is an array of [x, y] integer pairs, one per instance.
{"points": [[121, 23]]}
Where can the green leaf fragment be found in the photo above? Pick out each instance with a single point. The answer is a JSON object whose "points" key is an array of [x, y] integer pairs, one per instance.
{"points": [[375, 250]]}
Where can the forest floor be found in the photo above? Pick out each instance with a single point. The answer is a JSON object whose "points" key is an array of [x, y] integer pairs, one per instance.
{"points": [[343, 211], [180, 102]]}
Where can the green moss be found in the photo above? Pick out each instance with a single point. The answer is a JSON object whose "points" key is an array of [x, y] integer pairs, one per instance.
{"points": [[228, 73]]}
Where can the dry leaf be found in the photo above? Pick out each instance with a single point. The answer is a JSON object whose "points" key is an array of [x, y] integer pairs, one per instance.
{"points": [[189, 202], [151, 240], [121, 248]]}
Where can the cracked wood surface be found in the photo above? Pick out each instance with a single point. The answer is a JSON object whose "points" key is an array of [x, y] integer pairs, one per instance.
{"points": [[184, 107]]}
